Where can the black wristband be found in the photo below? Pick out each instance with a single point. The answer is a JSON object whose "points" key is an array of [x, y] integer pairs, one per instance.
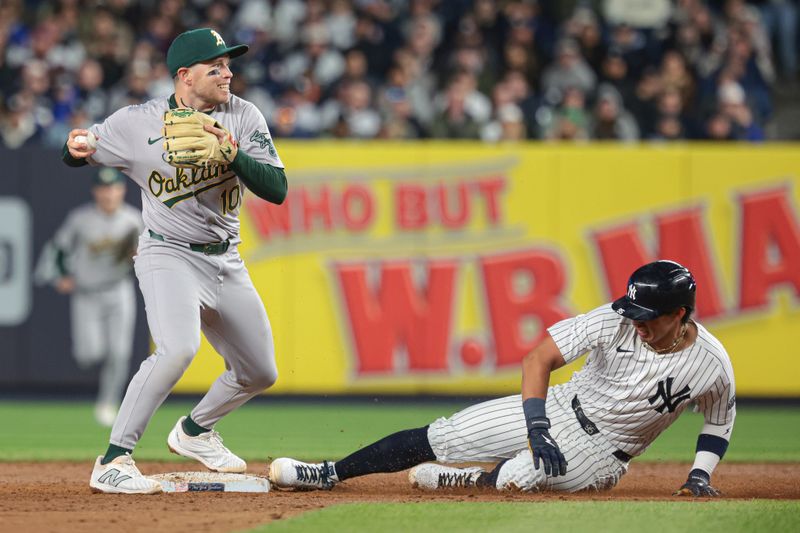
{"points": [[67, 158], [711, 443], [700, 475], [535, 415]]}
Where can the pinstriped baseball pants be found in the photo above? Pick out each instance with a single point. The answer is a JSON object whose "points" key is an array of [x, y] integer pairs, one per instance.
{"points": [[495, 430]]}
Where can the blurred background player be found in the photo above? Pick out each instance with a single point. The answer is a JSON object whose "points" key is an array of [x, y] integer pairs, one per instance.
{"points": [[94, 248]]}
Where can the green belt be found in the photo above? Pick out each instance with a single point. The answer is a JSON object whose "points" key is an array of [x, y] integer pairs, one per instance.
{"points": [[209, 248]]}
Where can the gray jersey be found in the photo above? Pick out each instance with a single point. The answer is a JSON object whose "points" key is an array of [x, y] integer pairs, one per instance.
{"points": [[184, 205], [94, 244], [633, 394]]}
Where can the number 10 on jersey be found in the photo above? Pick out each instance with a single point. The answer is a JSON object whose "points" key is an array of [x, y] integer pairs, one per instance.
{"points": [[230, 199]]}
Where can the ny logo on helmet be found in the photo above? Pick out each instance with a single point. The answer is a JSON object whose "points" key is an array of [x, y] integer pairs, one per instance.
{"points": [[218, 37], [632, 291]]}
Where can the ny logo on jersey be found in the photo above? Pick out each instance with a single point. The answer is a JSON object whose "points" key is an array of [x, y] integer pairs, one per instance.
{"points": [[632, 291], [671, 401]]}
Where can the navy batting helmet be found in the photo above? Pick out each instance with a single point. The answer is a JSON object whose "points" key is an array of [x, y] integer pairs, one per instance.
{"points": [[655, 289]]}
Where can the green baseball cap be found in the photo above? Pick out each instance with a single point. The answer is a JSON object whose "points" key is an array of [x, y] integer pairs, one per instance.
{"points": [[108, 176], [198, 45]]}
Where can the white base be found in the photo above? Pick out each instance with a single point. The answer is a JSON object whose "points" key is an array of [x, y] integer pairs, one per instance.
{"points": [[211, 482]]}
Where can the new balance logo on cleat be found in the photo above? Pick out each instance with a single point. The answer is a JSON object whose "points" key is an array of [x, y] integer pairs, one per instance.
{"points": [[113, 478]]}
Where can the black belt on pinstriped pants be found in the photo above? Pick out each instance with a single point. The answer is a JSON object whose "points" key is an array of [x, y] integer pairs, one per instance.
{"points": [[590, 429]]}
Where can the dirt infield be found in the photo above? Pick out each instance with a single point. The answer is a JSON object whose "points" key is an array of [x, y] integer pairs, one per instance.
{"points": [[39, 497]]}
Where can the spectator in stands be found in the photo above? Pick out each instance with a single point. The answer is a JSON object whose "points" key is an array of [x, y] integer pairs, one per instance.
{"points": [[355, 115], [669, 128], [650, 14], [17, 122], [732, 105], [29, 112], [672, 122], [632, 44], [780, 19], [508, 124], [569, 70], [531, 28], [308, 59], [614, 72], [644, 102], [676, 75], [297, 113], [719, 128], [341, 22], [493, 27], [584, 27], [508, 121], [378, 40], [356, 68], [701, 38], [420, 83], [461, 110], [90, 96], [522, 96], [519, 59], [752, 70], [134, 89], [325, 62], [110, 40], [570, 121], [610, 120], [398, 118]]}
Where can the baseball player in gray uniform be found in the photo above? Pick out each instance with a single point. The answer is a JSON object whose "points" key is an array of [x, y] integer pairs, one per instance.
{"points": [[647, 362], [94, 248], [190, 273]]}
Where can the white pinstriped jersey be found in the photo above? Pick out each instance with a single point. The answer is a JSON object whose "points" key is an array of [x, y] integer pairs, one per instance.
{"points": [[633, 394]]}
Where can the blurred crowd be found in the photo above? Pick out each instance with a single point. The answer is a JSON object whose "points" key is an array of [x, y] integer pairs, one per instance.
{"points": [[494, 70]]}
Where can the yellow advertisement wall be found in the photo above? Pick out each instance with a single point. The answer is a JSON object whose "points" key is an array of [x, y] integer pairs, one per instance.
{"points": [[431, 268]]}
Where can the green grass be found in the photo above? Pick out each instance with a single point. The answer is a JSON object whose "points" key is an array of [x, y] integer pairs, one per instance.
{"points": [[258, 431], [539, 517], [261, 430]]}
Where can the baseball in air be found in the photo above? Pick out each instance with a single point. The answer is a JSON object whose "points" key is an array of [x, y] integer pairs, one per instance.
{"points": [[89, 140]]}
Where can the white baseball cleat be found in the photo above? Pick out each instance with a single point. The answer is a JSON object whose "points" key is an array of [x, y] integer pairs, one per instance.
{"points": [[286, 473], [206, 448], [121, 476], [430, 476]]}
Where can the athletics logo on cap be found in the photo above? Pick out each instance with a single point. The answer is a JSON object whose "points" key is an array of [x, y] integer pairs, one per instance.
{"points": [[194, 46], [220, 41]]}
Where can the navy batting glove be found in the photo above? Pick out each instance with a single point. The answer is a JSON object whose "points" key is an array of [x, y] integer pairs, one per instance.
{"points": [[544, 448], [697, 485]]}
